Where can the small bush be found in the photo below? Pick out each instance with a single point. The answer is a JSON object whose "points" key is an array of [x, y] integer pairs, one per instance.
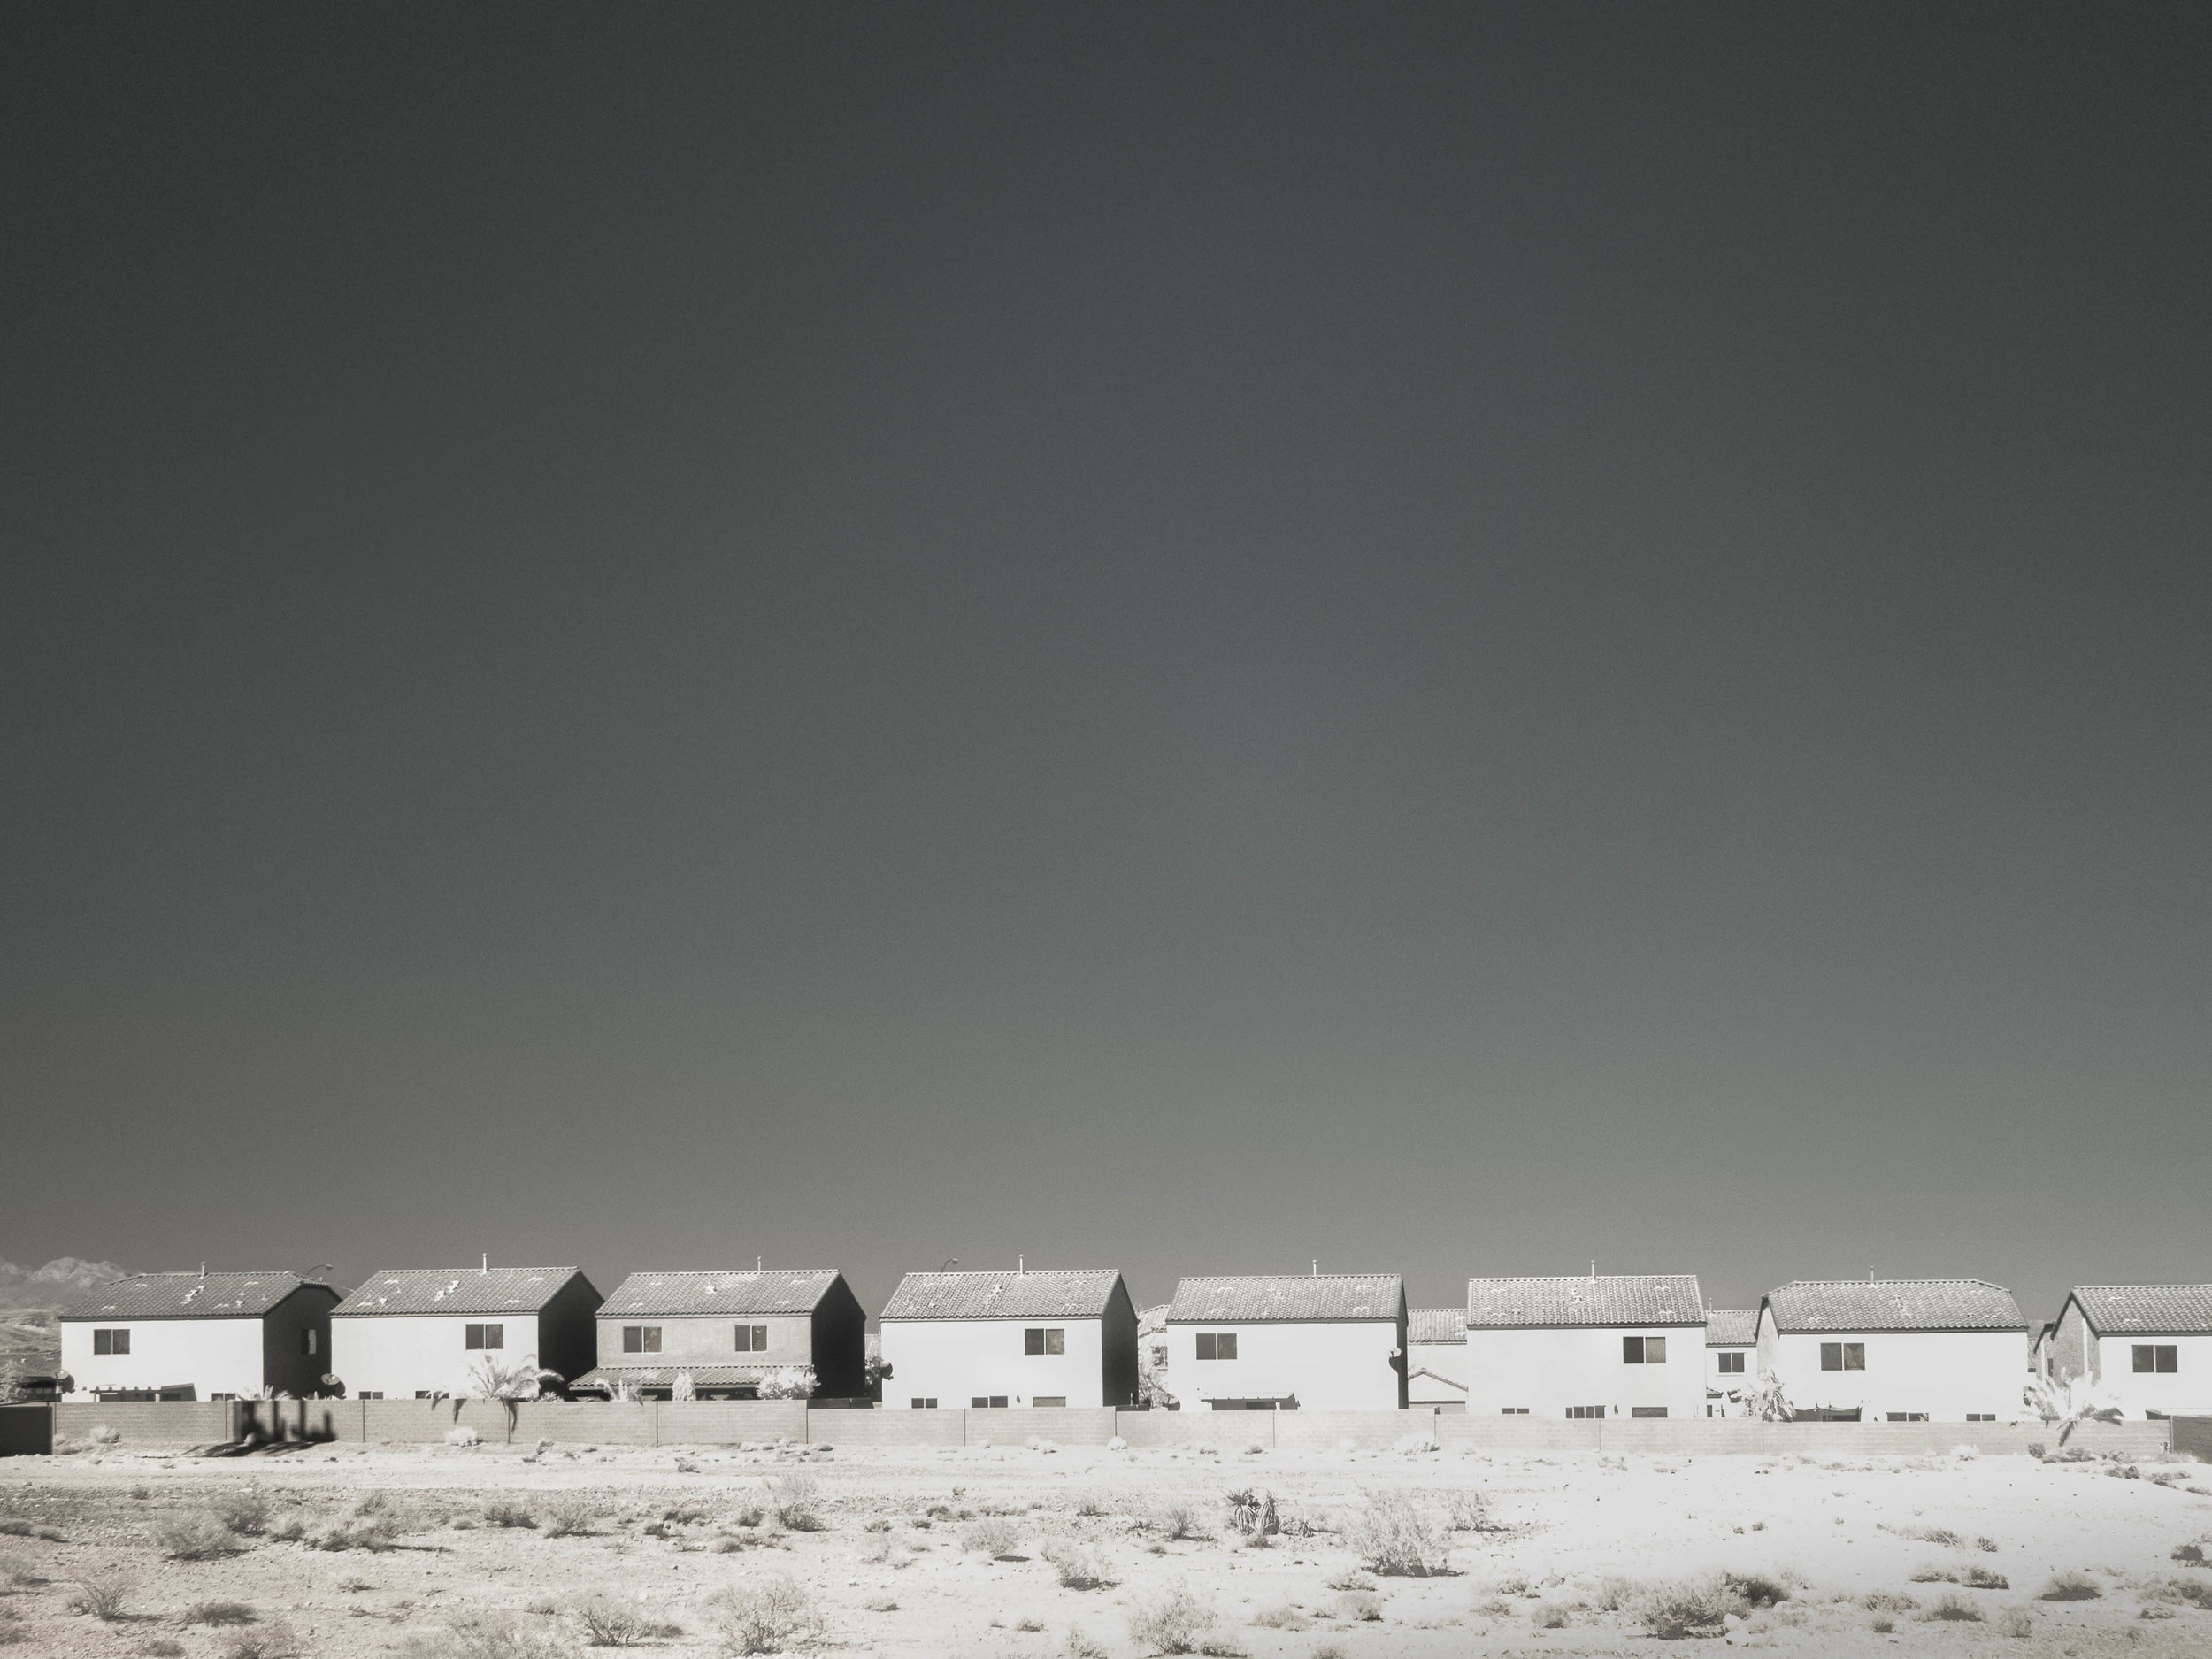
{"points": [[1757, 1589], [2070, 1586], [1981, 1579], [995, 1536], [461, 1434], [220, 1613], [2014, 1621], [1359, 1607], [1692, 1607], [610, 1624], [1282, 1618], [476, 1640], [104, 1436], [1079, 1568], [374, 1533], [1888, 1601], [768, 1617], [197, 1537], [1884, 1626], [1549, 1616], [502, 1512], [102, 1593], [1179, 1520], [1955, 1608], [1081, 1647], [1395, 1537], [566, 1518], [245, 1511], [2192, 1555], [277, 1640], [796, 1500], [1253, 1513], [1170, 1623], [1466, 1511]]}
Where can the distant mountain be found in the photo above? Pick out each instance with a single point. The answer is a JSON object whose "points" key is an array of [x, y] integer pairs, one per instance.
{"points": [[29, 1299]]}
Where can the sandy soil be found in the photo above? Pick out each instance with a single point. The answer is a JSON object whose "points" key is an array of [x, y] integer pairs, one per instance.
{"points": [[903, 1562]]}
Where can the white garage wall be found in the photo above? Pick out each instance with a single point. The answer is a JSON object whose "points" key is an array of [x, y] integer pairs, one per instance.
{"points": [[1547, 1371], [397, 1355], [213, 1356], [1947, 1374], [953, 1360]]}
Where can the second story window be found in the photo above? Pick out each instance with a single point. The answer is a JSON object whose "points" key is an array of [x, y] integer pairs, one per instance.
{"points": [[640, 1339], [752, 1339], [2162, 1358], [1843, 1356], [110, 1341], [485, 1336], [1217, 1345], [1643, 1350], [1044, 1340], [1732, 1364]]}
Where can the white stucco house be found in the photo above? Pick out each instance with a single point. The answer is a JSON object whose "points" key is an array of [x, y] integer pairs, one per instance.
{"points": [[1732, 1358], [1311, 1342], [1901, 1350], [199, 1336], [725, 1329], [414, 1332], [1616, 1345], [1436, 1359], [2149, 1346], [1027, 1337]]}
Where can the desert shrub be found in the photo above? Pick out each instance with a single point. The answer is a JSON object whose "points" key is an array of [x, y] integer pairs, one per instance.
{"points": [[1466, 1510], [1170, 1622], [1933, 1575], [276, 1640], [1282, 1618], [245, 1511], [1178, 1520], [610, 1624], [102, 1435], [505, 1512], [1981, 1579], [1926, 1535], [1888, 1601], [994, 1536], [2014, 1621], [2070, 1586], [1393, 1535], [1081, 1647], [796, 1500], [1952, 1608], [1884, 1626], [2192, 1555], [566, 1518], [1079, 1568], [220, 1613], [102, 1593], [373, 1532], [1328, 1650], [1359, 1607], [1253, 1513], [1758, 1589], [1689, 1607], [477, 1639], [195, 1537], [1549, 1615], [461, 1434], [1350, 1578], [767, 1617]]}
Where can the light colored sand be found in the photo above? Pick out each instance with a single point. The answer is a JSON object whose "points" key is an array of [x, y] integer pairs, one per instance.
{"points": [[1567, 1524]]}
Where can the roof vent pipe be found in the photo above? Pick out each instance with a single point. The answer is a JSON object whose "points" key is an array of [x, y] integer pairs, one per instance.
{"points": [[1317, 1267], [203, 1270], [1021, 1265], [1593, 1269], [758, 1261], [488, 1260]]}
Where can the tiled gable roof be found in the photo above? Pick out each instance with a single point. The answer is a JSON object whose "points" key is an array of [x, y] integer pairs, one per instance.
{"points": [[454, 1290], [187, 1296], [1893, 1304], [761, 1291], [1436, 1324], [1038, 1294], [1731, 1327], [1643, 1298], [2155, 1309], [1286, 1298]]}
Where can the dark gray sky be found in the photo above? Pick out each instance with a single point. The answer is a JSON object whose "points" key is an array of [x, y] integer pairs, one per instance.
{"points": [[1455, 640]]}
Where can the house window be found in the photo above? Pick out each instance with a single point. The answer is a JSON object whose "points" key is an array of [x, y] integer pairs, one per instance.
{"points": [[640, 1339], [925, 1403], [1512, 1412], [1050, 1400], [1732, 1364], [2161, 1357], [1044, 1340], [485, 1336], [1217, 1345], [752, 1339], [307, 1340], [119, 1342], [1585, 1412], [1843, 1356], [370, 1394], [1643, 1350], [1981, 1416], [1647, 1411], [1159, 1358], [1908, 1417], [984, 1402]]}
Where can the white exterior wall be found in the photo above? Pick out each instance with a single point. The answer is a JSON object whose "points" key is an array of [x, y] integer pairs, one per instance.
{"points": [[398, 1354], [2186, 1391], [953, 1361], [1444, 1359], [1737, 1382], [1334, 1366], [1944, 1373], [214, 1355], [1546, 1371]]}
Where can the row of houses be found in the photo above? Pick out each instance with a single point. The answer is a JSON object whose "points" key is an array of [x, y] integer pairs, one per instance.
{"points": [[1587, 1346]]}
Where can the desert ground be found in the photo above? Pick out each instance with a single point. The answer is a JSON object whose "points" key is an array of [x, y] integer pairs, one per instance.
{"points": [[491, 1552]]}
